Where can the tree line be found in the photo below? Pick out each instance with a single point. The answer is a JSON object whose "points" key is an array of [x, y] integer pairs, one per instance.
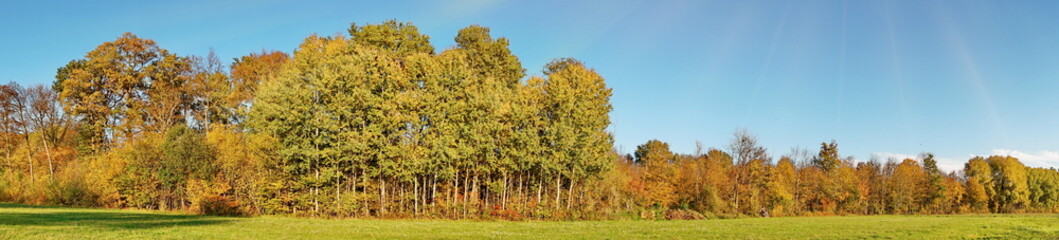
{"points": [[378, 123], [743, 180]]}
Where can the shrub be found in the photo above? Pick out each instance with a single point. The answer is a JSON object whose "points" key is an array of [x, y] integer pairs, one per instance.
{"points": [[680, 214], [70, 188], [210, 198]]}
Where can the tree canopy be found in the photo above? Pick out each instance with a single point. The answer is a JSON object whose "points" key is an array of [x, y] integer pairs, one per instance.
{"points": [[380, 123]]}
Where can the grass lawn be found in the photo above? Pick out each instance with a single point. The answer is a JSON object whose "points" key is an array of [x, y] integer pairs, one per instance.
{"points": [[33, 222]]}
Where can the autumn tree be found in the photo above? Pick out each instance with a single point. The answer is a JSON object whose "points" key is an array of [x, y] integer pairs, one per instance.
{"points": [[873, 176], [979, 184], [906, 187], [490, 57], [248, 74], [749, 172], [209, 89], [125, 87], [399, 38], [577, 107], [955, 191], [1009, 180], [15, 126], [658, 173], [294, 110], [47, 118], [496, 106], [833, 180], [934, 187], [828, 158], [380, 123], [780, 187], [1043, 186], [185, 157], [703, 178]]}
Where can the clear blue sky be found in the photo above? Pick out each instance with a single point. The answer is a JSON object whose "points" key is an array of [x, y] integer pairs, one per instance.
{"points": [[883, 78]]}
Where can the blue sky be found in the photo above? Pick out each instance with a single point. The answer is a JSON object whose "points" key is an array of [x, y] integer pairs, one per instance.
{"points": [[883, 78]]}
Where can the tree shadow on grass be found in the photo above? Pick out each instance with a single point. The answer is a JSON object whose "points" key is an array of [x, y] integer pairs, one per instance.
{"points": [[15, 205], [56, 216]]}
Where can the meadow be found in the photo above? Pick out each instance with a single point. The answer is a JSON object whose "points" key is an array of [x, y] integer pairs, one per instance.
{"points": [[38, 222]]}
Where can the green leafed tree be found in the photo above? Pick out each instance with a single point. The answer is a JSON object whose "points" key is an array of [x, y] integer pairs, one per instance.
{"points": [[577, 107], [1043, 186], [1009, 180], [185, 156], [979, 184]]}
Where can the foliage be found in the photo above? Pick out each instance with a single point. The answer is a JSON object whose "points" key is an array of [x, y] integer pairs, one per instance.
{"points": [[656, 163], [124, 88], [379, 123]]}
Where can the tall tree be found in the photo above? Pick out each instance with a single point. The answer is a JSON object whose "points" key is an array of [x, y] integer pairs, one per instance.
{"points": [[47, 119], [398, 37], [979, 181], [1009, 180], [1043, 186], [781, 187], [209, 87], [828, 158], [748, 172], [935, 190], [125, 87], [488, 56], [248, 73], [185, 157], [577, 105], [15, 126], [906, 187], [658, 167]]}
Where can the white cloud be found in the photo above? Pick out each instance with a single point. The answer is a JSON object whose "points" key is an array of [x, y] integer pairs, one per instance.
{"points": [[944, 164], [1048, 159], [883, 156]]}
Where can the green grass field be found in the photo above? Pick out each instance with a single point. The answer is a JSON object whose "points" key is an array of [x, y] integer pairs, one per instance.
{"points": [[32, 222]]}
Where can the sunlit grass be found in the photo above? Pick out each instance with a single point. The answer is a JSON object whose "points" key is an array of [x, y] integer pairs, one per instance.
{"points": [[30, 222]]}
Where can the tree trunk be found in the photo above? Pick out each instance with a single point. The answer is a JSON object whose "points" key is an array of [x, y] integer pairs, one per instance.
{"points": [[382, 197], [47, 151], [434, 189], [558, 190], [338, 189], [570, 195], [454, 191], [540, 189], [415, 193], [363, 180], [316, 193], [520, 196], [29, 145], [476, 191], [466, 193], [503, 196]]}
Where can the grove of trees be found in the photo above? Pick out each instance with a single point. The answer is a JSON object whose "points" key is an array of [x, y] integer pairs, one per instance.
{"points": [[379, 123]]}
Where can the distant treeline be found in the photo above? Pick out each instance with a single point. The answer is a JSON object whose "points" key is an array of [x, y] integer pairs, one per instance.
{"points": [[380, 124]]}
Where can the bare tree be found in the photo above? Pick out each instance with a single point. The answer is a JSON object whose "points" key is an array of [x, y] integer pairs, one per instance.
{"points": [[9, 124], [744, 149], [46, 117]]}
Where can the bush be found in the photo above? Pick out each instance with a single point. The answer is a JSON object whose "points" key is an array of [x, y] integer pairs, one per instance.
{"points": [[505, 213], [211, 199], [220, 205], [69, 188], [679, 214]]}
